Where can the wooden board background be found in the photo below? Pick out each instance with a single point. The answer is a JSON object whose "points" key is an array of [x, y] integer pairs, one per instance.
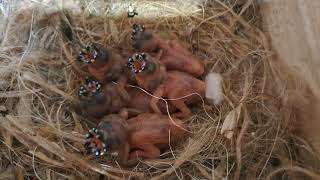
{"points": [[294, 29]]}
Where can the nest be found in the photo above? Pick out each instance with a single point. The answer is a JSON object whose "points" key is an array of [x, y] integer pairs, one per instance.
{"points": [[42, 136]]}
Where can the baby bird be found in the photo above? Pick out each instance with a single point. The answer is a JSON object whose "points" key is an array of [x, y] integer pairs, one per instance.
{"points": [[143, 136], [152, 71], [175, 55], [181, 87], [97, 101], [105, 65]]}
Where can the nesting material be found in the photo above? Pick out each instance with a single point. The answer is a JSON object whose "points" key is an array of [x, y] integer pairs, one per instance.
{"points": [[42, 137], [230, 122]]}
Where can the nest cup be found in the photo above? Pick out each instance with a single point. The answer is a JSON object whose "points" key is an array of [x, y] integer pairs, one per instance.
{"points": [[248, 136]]}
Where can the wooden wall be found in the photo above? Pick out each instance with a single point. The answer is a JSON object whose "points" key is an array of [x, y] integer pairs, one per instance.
{"points": [[294, 29]]}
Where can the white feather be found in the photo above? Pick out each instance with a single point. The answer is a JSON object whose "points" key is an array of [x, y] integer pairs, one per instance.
{"points": [[214, 88]]}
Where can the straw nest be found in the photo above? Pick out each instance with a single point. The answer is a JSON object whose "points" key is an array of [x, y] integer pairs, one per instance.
{"points": [[42, 137]]}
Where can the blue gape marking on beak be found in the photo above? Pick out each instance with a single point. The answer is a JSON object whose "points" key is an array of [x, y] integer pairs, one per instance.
{"points": [[137, 62], [88, 54], [135, 29], [94, 143], [90, 88]]}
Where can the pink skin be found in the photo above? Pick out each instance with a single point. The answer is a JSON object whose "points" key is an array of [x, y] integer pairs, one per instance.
{"points": [[172, 85], [141, 101], [175, 56], [179, 84], [109, 100], [143, 136]]}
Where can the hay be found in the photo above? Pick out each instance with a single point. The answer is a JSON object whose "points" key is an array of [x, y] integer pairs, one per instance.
{"points": [[42, 136]]}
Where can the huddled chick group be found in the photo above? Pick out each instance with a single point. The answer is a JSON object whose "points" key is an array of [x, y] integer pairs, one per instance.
{"points": [[134, 122]]}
